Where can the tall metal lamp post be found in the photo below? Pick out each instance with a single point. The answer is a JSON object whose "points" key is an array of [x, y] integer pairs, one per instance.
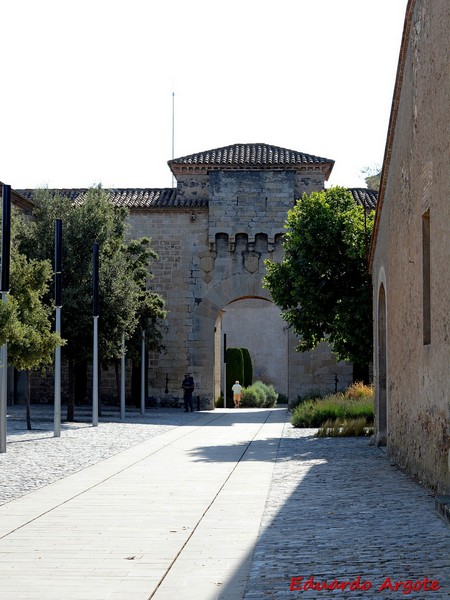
{"points": [[224, 370], [6, 250], [143, 390], [122, 379], [95, 313], [58, 305]]}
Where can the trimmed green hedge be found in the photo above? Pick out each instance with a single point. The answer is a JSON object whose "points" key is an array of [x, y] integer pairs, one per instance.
{"points": [[235, 371], [248, 368]]}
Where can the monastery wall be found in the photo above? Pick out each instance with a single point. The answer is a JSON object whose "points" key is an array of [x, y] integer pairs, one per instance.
{"points": [[411, 268]]}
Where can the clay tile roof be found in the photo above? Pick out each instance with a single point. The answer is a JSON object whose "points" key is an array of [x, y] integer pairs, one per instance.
{"points": [[18, 199], [366, 198], [145, 197], [130, 197], [250, 155]]}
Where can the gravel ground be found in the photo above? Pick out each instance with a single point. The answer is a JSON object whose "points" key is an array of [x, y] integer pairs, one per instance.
{"points": [[36, 458]]}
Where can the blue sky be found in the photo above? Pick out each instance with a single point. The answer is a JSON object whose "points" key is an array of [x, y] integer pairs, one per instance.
{"points": [[87, 85]]}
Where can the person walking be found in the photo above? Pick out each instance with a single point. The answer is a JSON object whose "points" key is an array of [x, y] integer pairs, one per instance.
{"points": [[188, 389], [237, 391]]}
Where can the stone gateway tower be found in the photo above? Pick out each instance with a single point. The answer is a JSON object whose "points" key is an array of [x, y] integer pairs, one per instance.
{"points": [[213, 233]]}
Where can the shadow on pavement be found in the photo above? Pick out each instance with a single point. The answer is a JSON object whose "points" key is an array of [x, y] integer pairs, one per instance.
{"points": [[337, 510]]}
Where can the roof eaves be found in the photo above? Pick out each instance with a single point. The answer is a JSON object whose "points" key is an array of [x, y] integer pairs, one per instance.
{"points": [[391, 128]]}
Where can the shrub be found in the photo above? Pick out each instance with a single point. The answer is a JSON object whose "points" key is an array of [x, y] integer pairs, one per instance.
{"points": [[250, 398], [359, 390], [312, 395], [261, 390], [259, 395], [271, 396], [349, 405]]}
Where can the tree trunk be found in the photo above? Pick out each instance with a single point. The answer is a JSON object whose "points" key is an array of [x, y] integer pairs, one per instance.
{"points": [[146, 373], [361, 373], [28, 402], [71, 394], [136, 384], [80, 372], [117, 374], [99, 390], [16, 380]]}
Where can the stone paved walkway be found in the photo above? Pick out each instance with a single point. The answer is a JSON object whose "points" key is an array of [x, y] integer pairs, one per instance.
{"points": [[335, 510]]}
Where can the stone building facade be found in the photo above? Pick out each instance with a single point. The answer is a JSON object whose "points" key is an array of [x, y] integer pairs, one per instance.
{"points": [[410, 255], [213, 232]]}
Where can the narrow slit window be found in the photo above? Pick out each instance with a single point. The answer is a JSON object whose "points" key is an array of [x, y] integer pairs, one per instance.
{"points": [[426, 277]]}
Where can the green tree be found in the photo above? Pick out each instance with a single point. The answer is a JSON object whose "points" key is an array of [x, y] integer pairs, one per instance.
{"points": [[26, 320], [149, 312], [372, 177], [123, 278], [322, 285]]}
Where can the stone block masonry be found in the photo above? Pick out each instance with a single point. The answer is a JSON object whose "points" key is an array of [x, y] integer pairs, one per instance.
{"points": [[211, 258]]}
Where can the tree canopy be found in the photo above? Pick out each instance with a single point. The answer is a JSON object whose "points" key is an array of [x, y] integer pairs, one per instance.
{"points": [[25, 319], [322, 285], [124, 298], [124, 270], [372, 177]]}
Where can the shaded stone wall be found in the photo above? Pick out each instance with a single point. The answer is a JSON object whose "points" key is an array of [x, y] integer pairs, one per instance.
{"points": [[416, 370]]}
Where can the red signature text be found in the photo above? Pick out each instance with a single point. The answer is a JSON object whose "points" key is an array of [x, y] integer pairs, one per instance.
{"points": [[300, 584]]}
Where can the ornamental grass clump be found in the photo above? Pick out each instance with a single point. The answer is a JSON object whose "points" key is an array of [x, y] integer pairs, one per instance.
{"points": [[312, 395], [356, 403], [345, 428]]}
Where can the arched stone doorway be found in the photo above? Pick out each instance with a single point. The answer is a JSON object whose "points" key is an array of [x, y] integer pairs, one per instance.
{"points": [[229, 304], [381, 381], [299, 372], [254, 323]]}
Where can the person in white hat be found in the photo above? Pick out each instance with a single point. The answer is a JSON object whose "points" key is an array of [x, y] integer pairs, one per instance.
{"points": [[237, 391]]}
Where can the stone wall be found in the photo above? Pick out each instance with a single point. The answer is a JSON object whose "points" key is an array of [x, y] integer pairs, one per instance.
{"points": [[412, 371], [211, 260], [212, 236], [178, 236]]}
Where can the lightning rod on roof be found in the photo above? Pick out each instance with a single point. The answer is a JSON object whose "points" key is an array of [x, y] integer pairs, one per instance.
{"points": [[173, 134]]}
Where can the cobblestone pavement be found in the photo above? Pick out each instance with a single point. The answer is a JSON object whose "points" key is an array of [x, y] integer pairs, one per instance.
{"points": [[35, 458], [337, 510]]}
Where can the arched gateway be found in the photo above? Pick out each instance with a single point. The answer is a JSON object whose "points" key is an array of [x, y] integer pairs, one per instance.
{"points": [[213, 234]]}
